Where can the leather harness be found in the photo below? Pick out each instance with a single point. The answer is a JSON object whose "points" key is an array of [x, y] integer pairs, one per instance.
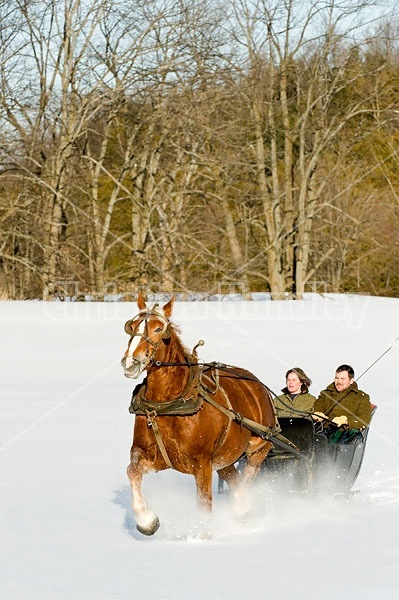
{"points": [[201, 387]]}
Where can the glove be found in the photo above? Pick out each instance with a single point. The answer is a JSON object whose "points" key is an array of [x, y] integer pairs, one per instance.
{"points": [[340, 420], [319, 416]]}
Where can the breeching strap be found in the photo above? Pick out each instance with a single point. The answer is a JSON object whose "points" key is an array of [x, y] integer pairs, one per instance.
{"points": [[267, 433]]}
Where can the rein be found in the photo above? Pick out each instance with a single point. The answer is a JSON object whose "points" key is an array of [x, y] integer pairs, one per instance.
{"points": [[225, 367]]}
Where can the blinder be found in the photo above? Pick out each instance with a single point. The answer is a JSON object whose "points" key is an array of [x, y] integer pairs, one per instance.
{"points": [[166, 334], [128, 327]]}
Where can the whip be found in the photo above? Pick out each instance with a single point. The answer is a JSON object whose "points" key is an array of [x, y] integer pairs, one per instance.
{"points": [[395, 341]]}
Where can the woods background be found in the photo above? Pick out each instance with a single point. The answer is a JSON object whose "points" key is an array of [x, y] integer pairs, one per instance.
{"points": [[195, 144]]}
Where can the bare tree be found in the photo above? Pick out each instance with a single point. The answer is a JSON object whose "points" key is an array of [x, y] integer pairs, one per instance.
{"points": [[295, 65], [185, 144], [43, 78]]}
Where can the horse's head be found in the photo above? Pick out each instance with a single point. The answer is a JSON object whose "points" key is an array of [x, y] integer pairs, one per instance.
{"points": [[147, 331]]}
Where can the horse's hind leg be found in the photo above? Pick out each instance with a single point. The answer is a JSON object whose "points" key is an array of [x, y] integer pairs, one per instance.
{"points": [[146, 519], [256, 453], [231, 476]]}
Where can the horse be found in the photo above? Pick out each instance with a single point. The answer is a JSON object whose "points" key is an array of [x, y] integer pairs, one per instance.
{"points": [[189, 416]]}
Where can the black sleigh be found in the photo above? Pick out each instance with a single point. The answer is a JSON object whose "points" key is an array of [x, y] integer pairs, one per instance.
{"points": [[317, 464], [322, 463]]}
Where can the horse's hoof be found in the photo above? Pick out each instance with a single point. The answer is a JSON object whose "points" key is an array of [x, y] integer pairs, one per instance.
{"points": [[205, 535], [149, 529]]}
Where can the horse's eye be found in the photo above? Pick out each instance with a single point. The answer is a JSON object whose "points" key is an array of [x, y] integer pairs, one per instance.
{"points": [[158, 330]]}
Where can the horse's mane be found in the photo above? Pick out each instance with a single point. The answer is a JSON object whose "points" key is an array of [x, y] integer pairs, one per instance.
{"points": [[176, 342]]}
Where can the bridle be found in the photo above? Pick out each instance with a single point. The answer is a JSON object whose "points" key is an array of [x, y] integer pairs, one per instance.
{"points": [[144, 316]]}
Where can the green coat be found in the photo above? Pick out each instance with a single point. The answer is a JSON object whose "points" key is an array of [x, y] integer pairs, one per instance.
{"points": [[304, 401], [352, 402]]}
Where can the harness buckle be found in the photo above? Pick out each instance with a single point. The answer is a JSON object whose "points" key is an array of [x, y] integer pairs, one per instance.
{"points": [[151, 416]]}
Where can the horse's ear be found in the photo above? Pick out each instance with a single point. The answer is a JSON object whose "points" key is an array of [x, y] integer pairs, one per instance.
{"points": [[168, 308], [141, 302]]}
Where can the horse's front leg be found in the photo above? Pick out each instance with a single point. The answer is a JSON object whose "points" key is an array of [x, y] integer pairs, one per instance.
{"points": [[203, 480], [146, 519]]}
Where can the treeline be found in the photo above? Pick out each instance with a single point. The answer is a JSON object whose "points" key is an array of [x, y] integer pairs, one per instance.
{"points": [[197, 145]]}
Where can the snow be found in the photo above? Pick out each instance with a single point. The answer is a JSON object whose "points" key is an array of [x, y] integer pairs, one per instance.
{"points": [[66, 527]]}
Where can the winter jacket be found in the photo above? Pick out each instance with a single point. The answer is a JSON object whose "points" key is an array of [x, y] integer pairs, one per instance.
{"points": [[286, 404], [352, 402]]}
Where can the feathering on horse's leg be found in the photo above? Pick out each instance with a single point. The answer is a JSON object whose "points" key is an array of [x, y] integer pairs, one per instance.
{"points": [[146, 519]]}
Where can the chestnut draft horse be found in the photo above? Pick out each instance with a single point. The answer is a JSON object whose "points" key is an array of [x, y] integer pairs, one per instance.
{"points": [[190, 416]]}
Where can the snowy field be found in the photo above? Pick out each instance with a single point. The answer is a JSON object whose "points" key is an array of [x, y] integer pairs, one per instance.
{"points": [[66, 527]]}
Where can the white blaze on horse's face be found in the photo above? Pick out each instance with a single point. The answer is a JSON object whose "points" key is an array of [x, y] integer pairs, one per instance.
{"points": [[133, 343]]}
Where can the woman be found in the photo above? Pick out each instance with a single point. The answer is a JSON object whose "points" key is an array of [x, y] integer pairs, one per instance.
{"points": [[295, 400]]}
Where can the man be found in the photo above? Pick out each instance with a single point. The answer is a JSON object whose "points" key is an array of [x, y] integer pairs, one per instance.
{"points": [[343, 403]]}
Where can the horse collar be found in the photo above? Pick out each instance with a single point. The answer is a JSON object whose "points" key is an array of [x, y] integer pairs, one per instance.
{"points": [[187, 403]]}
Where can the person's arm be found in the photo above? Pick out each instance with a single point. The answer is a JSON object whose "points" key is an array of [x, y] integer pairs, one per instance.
{"points": [[321, 404], [363, 414], [307, 402]]}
